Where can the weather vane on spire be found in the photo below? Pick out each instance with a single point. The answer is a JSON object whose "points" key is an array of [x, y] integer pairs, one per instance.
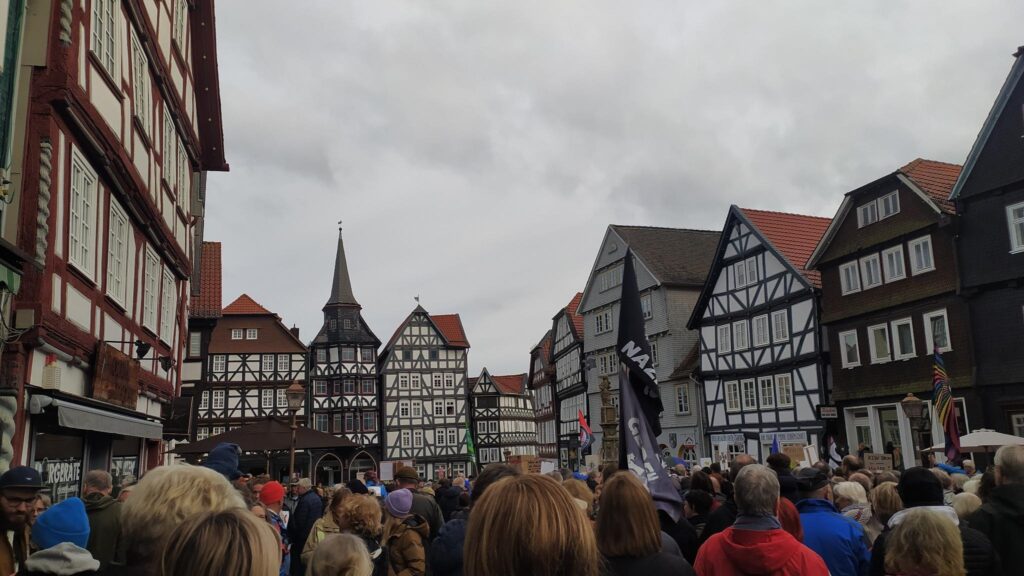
{"points": [[339, 224], [416, 298]]}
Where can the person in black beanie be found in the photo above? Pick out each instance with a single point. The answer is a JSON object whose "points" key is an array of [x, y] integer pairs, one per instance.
{"points": [[920, 488], [780, 463]]}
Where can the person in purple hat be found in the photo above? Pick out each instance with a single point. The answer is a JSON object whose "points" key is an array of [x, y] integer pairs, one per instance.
{"points": [[19, 487], [404, 535]]}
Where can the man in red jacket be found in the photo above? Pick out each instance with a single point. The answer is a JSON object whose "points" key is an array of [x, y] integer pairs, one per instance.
{"points": [[756, 542]]}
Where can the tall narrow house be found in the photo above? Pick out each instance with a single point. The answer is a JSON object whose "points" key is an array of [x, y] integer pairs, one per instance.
{"points": [[426, 395], [989, 195], [545, 404], [570, 383], [671, 265], [343, 393], [889, 301], [762, 362], [503, 422]]}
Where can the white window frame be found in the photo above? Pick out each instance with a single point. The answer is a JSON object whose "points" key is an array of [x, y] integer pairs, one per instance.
{"points": [[780, 335], [218, 399], [169, 150], [865, 266], [195, 344], [282, 398], [492, 426], [416, 408], [1016, 227], [846, 278], [724, 338], [403, 409], [897, 353], [168, 305], [438, 409], [682, 399], [104, 43], [180, 23], [748, 385], [118, 231], [268, 363], [740, 335], [322, 422], [864, 213], [929, 337], [740, 274], [141, 91], [877, 358], [645, 306], [82, 216], [784, 381], [767, 401], [183, 177], [204, 400], [757, 324], [237, 334], [151, 290], [218, 363], [417, 438], [267, 398], [911, 247], [284, 363], [449, 380], [895, 196], [252, 334], [202, 433], [752, 269], [403, 381], [321, 355], [842, 348], [895, 254]]}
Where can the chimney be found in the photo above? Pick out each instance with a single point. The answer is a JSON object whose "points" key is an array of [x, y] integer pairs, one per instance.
{"points": [[295, 331]]}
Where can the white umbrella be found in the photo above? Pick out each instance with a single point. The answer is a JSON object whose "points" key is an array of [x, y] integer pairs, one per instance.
{"points": [[982, 440]]}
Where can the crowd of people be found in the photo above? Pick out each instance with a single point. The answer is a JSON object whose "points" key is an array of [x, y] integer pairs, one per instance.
{"points": [[744, 518]]}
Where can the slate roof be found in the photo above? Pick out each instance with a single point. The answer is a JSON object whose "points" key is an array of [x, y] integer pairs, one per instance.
{"points": [[207, 303], [676, 256], [688, 364], [795, 236], [513, 384], [450, 326], [244, 305], [341, 288], [936, 179]]}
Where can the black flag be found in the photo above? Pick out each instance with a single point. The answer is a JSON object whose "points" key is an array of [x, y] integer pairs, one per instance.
{"points": [[639, 401]]}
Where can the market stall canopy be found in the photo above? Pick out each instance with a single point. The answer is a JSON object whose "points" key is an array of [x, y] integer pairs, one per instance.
{"points": [[269, 435], [982, 440]]}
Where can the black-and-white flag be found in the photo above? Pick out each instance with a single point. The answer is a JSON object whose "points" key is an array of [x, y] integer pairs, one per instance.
{"points": [[640, 404]]}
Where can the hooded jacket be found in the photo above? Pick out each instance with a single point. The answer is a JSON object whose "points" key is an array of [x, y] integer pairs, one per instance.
{"points": [[104, 528], [64, 559], [445, 552], [839, 540], [322, 528], [749, 552], [405, 547], [980, 558], [1001, 518]]}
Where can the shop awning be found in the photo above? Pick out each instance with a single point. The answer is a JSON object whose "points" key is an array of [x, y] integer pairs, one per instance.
{"points": [[81, 417]]}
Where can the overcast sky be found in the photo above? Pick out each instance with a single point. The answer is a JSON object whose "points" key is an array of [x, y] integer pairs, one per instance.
{"points": [[477, 151]]}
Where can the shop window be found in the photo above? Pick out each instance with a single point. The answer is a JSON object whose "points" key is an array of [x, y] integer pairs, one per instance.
{"points": [[58, 458]]}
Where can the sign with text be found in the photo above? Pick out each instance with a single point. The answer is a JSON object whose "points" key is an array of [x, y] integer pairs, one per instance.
{"points": [[63, 478], [878, 462], [827, 412], [526, 464], [116, 378], [795, 453]]}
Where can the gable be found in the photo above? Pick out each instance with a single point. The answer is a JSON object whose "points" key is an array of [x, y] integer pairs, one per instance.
{"points": [[272, 336], [997, 157]]}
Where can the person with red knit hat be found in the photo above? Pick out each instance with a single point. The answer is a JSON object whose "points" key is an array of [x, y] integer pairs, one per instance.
{"points": [[272, 498]]}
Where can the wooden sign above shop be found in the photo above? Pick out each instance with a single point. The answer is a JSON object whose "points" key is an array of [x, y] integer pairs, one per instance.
{"points": [[116, 378]]}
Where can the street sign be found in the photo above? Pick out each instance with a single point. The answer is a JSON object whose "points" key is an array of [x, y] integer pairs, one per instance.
{"points": [[827, 412]]}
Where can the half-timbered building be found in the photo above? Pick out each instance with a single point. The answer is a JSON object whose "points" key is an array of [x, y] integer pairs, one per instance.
{"points": [[118, 122], [889, 281], [423, 370], [503, 423], [545, 404], [252, 359], [989, 195], [203, 313], [343, 392], [570, 383], [762, 365], [671, 266]]}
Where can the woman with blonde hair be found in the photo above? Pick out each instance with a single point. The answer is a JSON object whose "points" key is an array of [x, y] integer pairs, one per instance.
{"points": [[965, 504], [220, 543], [326, 525], [162, 500], [924, 543], [340, 555], [579, 490], [529, 524], [360, 515], [628, 532], [885, 501]]}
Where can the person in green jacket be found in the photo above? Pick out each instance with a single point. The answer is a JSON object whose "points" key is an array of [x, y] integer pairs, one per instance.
{"points": [[104, 518]]}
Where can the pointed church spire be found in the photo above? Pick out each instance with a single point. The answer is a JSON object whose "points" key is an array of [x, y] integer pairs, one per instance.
{"points": [[341, 291]]}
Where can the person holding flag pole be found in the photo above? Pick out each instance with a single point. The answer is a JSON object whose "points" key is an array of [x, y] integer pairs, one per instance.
{"points": [[474, 466], [945, 410]]}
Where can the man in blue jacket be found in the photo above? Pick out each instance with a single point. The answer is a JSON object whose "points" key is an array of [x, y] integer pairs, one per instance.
{"points": [[308, 509], [839, 540]]}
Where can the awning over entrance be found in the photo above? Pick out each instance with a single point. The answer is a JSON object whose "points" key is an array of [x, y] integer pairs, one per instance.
{"points": [[80, 417], [269, 435]]}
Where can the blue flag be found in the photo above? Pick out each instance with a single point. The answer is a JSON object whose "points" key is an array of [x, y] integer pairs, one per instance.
{"points": [[640, 404], [775, 444]]}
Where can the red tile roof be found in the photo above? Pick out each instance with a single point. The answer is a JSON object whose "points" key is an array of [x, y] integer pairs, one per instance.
{"points": [[936, 179], [577, 320], [509, 384], [244, 305], [207, 303], [450, 326], [794, 235]]}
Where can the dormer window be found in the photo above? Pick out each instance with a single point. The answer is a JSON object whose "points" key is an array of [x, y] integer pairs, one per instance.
{"points": [[251, 333], [867, 214], [236, 333], [332, 324], [889, 205], [880, 209], [346, 324]]}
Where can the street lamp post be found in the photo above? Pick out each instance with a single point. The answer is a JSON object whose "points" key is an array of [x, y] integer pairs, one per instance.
{"points": [[913, 408], [296, 395]]}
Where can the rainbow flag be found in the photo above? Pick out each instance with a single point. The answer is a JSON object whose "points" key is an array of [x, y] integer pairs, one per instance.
{"points": [[586, 436], [942, 399]]}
